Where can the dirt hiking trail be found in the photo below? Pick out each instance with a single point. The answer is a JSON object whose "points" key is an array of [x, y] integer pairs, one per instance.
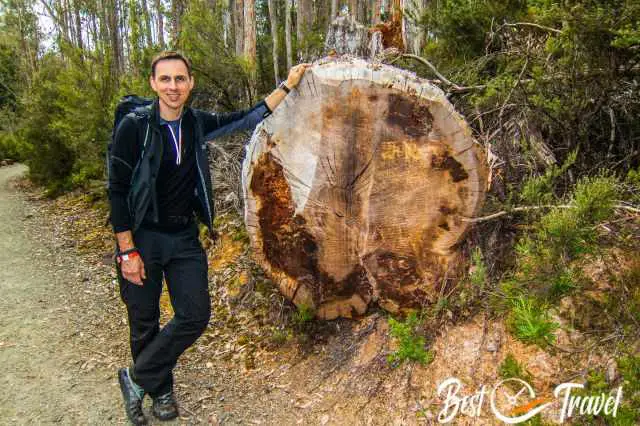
{"points": [[41, 381]]}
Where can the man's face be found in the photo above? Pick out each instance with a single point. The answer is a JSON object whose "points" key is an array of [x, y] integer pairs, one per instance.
{"points": [[172, 83]]}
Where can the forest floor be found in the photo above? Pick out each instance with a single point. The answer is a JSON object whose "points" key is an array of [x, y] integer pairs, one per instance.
{"points": [[64, 334]]}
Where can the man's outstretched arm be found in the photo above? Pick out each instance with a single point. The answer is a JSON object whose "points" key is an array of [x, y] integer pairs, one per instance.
{"points": [[217, 125], [278, 95]]}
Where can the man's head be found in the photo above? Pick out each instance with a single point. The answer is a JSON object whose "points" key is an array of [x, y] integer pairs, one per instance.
{"points": [[171, 79]]}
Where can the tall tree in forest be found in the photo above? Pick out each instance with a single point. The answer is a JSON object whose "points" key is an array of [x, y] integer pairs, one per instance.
{"points": [[114, 37], [334, 9], [160, 24], [273, 19], [147, 22], [304, 22], [357, 10], [238, 21], [250, 31], [177, 9], [287, 33]]}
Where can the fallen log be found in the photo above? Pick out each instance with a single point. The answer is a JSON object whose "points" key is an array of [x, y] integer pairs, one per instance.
{"points": [[357, 187]]}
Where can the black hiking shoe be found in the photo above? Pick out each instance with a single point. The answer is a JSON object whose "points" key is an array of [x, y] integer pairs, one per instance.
{"points": [[132, 399], [165, 407]]}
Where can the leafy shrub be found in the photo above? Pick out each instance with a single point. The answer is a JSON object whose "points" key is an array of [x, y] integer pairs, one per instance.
{"points": [[411, 344], [510, 367], [529, 321]]}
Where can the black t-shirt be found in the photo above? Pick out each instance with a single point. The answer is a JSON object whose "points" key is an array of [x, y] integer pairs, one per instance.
{"points": [[176, 183]]}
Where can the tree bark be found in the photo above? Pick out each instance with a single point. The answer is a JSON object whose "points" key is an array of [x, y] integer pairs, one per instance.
{"points": [[356, 190], [238, 19], [273, 19], [334, 10], [147, 23], [160, 20], [376, 12], [177, 9], [304, 22], [250, 31], [114, 37], [287, 34], [78, 25]]}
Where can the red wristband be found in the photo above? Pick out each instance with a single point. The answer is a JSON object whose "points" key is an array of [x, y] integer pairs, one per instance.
{"points": [[128, 256]]}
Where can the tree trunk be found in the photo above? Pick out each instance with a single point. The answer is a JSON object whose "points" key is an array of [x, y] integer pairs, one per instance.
{"points": [[227, 23], [177, 9], [376, 12], [78, 25], [273, 19], [356, 10], [304, 21], [238, 19], [114, 37], [287, 34], [160, 19], [334, 10], [356, 190], [147, 23], [250, 31]]}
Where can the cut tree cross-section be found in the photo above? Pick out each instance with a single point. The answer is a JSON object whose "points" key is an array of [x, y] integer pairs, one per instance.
{"points": [[356, 189]]}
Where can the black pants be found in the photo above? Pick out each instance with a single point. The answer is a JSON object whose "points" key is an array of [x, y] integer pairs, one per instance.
{"points": [[180, 259]]}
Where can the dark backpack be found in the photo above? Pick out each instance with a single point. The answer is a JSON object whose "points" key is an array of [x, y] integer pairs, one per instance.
{"points": [[128, 104]]}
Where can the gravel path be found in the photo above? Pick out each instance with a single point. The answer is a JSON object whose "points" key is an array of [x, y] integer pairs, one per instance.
{"points": [[43, 380]]}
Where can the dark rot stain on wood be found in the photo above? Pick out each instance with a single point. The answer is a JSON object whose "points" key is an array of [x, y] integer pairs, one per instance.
{"points": [[446, 210], [393, 273], [410, 115], [356, 282], [446, 162], [286, 243]]}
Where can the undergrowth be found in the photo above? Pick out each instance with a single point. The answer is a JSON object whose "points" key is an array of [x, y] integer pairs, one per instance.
{"points": [[411, 344]]}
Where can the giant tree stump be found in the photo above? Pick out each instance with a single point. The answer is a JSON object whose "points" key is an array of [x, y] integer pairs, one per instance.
{"points": [[356, 186]]}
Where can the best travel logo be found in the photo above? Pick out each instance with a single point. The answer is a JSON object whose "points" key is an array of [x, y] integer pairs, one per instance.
{"points": [[514, 401]]}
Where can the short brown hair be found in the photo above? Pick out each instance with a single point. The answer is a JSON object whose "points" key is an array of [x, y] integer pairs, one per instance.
{"points": [[169, 54]]}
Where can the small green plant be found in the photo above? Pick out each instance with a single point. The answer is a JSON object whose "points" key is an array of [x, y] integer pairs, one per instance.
{"points": [[478, 275], [411, 344], [303, 315], [511, 368], [539, 189], [529, 321]]}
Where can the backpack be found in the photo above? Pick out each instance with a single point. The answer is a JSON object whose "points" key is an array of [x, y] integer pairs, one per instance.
{"points": [[128, 104]]}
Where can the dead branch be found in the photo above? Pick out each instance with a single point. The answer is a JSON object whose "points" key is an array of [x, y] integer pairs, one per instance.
{"points": [[528, 208], [454, 86], [530, 24]]}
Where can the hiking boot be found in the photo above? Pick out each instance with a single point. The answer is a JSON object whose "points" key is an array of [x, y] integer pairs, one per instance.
{"points": [[132, 396], [165, 407]]}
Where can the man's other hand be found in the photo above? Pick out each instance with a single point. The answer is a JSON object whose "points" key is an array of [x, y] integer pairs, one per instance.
{"points": [[133, 270], [295, 74]]}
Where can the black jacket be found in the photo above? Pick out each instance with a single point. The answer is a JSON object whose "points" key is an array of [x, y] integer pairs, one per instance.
{"points": [[137, 154]]}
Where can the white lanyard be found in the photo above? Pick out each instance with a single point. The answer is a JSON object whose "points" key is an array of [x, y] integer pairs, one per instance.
{"points": [[177, 142]]}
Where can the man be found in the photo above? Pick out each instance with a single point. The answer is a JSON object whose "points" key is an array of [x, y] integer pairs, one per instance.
{"points": [[159, 177]]}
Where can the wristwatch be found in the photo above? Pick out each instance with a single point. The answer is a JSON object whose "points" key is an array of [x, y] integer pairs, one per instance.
{"points": [[284, 87], [128, 254]]}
